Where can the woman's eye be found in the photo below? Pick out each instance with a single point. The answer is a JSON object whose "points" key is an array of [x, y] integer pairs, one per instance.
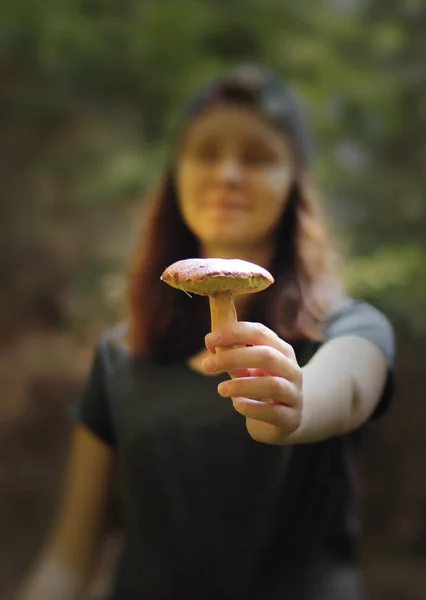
{"points": [[206, 153]]}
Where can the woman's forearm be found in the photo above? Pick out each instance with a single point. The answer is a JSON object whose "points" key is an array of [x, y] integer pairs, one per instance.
{"points": [[327, 411], [341, 387], [71, 551], [53, 579], [327, 407]]}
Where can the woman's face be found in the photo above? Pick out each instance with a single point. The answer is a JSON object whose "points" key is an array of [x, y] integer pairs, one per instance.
{"points": [[234, 172]]}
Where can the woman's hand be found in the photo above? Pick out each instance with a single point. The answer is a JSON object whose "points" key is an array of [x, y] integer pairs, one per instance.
{"points": [[267, 381]]}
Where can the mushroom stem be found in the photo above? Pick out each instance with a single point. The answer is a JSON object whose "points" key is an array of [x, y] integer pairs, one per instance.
{"points": [[222, 312]]}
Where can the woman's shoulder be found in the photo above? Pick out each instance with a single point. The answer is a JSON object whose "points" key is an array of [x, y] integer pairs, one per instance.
{"points": [[360, 318], [112, 346], [115, 336], [353, 310]]}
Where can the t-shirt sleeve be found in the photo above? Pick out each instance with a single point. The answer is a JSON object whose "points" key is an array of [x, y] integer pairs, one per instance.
{"points": [[92, 408], [363, 320]]}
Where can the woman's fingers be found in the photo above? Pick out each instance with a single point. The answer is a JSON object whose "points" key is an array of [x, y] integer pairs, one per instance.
{"points": [[267, 359], [267, 380], [240, 373], [245, 333], [286, 418], [265, 389], [246, 373]]}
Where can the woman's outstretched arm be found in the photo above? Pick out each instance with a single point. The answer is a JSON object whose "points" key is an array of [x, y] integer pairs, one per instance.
{"points": [[333, 394]]}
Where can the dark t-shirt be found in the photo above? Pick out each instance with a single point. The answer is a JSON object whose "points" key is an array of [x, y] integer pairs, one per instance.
{"points": [[208, 512]]}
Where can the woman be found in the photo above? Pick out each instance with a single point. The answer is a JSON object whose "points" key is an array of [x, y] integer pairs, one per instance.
{"points": [[220, 497]]}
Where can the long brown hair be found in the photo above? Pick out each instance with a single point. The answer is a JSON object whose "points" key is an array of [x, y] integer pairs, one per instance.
{"points": [[169, 326]]}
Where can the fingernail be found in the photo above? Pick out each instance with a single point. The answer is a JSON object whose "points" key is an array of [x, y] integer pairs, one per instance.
{"points": [[212, 338], [238, 405], [222, 388], [209, 363]]}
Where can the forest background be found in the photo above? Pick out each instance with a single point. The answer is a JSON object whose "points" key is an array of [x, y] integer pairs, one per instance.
{"points": [[90, 95]]}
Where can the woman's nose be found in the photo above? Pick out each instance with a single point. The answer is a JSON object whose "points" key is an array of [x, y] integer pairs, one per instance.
{"points": [[230, 170]]}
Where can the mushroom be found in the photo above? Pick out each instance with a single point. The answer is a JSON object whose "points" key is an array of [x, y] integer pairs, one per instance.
{"points": [[219, 279]]}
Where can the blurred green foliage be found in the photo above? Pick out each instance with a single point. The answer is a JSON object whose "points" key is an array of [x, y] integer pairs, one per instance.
{"points": [[92, 92]]}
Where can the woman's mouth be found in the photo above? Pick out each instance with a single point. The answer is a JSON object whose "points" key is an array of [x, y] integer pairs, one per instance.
{"points": [[226, 205]]}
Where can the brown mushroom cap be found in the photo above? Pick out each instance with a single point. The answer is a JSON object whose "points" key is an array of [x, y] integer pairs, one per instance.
{"points": [[209, 276]]}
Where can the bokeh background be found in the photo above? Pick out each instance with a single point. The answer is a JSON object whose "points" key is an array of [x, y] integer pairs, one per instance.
{"points": [[90, 94]]}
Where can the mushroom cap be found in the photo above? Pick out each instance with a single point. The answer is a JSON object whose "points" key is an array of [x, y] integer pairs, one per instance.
{"points": [[209, 276]]}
